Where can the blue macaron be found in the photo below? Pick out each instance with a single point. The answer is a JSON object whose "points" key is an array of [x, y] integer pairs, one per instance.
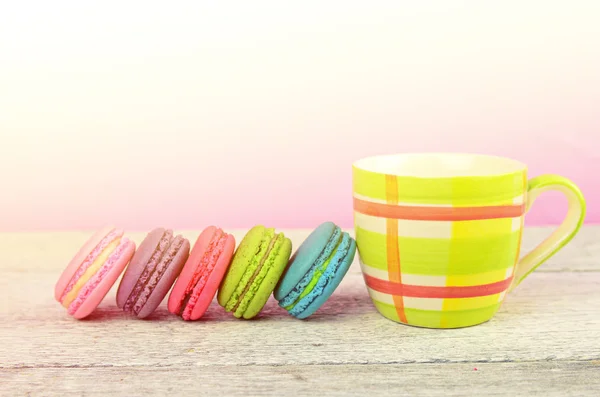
{"points": [[315, 270]]}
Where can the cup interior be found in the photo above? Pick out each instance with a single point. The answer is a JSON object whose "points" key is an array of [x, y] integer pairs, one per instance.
{"points": [[439, 165]]}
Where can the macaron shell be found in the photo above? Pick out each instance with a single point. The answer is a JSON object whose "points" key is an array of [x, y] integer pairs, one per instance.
{"points": [[138, 264], [333, 284], [78, 259], [98, 294], [189, 268], [214, 280], [166, 281], [304, 258], [267, 286], [241, 259]]}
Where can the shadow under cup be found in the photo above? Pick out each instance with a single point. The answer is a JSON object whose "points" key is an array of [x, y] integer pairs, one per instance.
{"points": [[438, 235]]}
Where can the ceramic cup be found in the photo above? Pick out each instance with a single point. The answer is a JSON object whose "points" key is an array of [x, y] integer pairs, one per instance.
{"points": [[439, 235]]}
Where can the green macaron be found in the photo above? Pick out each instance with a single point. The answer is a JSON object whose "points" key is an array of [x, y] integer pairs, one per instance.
{"points": [[255, 270]]}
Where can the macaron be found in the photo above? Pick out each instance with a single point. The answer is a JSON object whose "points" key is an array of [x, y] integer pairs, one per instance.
{"points": [[152, 272], [93, 271], [255, 270], [202, 274], [315, 270]]}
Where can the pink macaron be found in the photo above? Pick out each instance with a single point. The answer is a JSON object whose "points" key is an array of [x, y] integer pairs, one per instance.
{"points": [[93, 271], [152, 272], [202, 274]]}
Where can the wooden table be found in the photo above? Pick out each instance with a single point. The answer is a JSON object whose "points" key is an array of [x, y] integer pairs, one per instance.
{"points": [[545, 340]]}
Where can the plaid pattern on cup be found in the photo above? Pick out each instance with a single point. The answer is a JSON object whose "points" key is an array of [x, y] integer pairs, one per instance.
{"points": [[438, 252]]}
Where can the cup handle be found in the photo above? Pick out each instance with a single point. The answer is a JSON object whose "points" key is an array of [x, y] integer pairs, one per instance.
{"points": [[561, 235]]}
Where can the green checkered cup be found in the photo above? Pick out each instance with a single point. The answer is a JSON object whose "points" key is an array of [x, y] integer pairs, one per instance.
{"points": [[439, 235]]}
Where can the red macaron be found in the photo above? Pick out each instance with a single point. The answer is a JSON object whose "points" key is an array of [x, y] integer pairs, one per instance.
{"points": [[202, 274]]}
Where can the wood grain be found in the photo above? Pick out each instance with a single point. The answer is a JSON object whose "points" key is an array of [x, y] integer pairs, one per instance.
{"points": [[543, 340], [505, 379]]}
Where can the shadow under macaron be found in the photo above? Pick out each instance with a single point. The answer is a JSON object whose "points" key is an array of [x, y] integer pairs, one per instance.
{"points": [[340, 304], [105, 314]]}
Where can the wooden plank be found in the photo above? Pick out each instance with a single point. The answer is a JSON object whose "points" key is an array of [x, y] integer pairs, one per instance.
{"points": [[52, 251], [531, 347], [551, 316], [523, 379]]}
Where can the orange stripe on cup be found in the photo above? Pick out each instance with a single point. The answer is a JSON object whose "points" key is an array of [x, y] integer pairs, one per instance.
{"points": [[420, 291], [392, 246], [423, 213]]}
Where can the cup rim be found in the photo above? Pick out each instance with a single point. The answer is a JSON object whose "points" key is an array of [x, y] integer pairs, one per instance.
{"points": [[499, 165]]}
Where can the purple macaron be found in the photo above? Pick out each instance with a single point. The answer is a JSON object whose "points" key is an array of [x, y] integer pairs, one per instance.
{"points": [[152, 271]]}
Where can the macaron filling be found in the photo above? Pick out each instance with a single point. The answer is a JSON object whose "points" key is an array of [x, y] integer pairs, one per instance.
{"points": [[90, 266], [255, 273], [164, 253], [105, 267], [315, 271], [201, 274], [314, 290]]}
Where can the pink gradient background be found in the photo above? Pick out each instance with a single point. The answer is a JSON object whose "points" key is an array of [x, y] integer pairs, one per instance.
{"points": [[188, 115]]}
